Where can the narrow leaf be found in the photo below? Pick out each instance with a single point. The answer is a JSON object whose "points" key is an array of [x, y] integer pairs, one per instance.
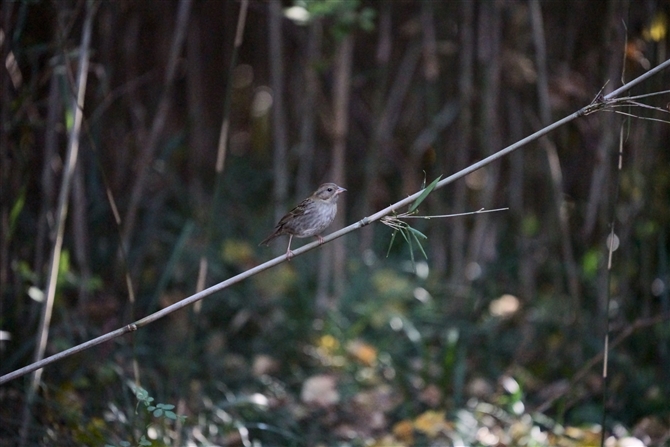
{"points": [[411, 249], [391, 243], [424, 194], [417, 232], [16, 210], [418, 242]]}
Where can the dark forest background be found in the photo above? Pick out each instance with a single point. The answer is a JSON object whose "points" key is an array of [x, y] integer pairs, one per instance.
{"points": [[199, 146]]}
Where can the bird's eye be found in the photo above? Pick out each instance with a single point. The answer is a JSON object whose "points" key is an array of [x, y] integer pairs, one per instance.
{"points": [[330, 189]]}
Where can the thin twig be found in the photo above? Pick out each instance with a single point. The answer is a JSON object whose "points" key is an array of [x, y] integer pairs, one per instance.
{"points": [[646, 95], [481, 211]]}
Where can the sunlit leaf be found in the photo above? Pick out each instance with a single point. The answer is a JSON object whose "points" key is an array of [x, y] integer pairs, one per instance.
{"points": [[362, 352], [431, 423], [658, 28], [590, 263], [404, 431]]}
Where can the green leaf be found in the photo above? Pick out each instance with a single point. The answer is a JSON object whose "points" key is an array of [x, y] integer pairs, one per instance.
{"points": [[170, 415], [141, 393], [16, 210], [166, 406], [391, 243], [158, 413], [405, 234], [424, 194], [417, 233]]}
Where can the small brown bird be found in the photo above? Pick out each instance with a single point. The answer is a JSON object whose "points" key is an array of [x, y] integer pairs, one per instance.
{"points": [[310, 218]]}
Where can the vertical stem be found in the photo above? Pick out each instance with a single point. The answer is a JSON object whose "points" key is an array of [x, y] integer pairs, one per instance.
{"points": [[225, 125], [431, 71], [333, 257], [80, 232], [341, 94], [464, 136], [158, 124], [374, 152], [488, 48], [279, 135], [203, 265], [76, 108], [5, 104], [553, 162], [47, 180], [304, 185], [223, 134]]}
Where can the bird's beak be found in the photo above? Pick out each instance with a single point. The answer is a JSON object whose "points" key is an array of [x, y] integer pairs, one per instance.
{"points": [[340, 190]]}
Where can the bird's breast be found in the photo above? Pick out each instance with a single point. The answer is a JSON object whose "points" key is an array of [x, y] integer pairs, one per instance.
{"points": [[316, 220]]}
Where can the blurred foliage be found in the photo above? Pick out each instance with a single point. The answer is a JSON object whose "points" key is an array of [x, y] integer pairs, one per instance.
{"points": [[347, 16]]}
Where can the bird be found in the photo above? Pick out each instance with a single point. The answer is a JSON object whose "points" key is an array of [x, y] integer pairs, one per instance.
{"points": [[310, 217]]}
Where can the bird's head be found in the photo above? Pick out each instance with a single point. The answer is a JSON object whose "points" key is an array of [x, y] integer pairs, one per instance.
{"points": [[328, 192]]}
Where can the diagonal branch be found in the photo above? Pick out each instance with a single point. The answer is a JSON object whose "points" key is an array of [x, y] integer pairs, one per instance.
{"points": [[604, 101]]}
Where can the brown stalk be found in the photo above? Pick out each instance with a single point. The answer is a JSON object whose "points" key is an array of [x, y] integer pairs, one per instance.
{"points": [[607, 141], [307, 104], [279, 134], [374, 152], [5, 107], [463, 138], [489, 47], [341, 95], [554, 165], [77, 109]]}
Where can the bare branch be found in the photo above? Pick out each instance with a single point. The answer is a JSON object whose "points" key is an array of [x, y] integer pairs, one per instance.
{"points": [[311, 246]]}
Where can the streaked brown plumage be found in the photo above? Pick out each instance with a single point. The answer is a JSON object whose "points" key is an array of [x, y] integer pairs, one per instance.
{"points": [[310, 217]]}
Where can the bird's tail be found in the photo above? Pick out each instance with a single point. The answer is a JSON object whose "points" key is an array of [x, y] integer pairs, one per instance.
{"points": [[267, 240]]}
